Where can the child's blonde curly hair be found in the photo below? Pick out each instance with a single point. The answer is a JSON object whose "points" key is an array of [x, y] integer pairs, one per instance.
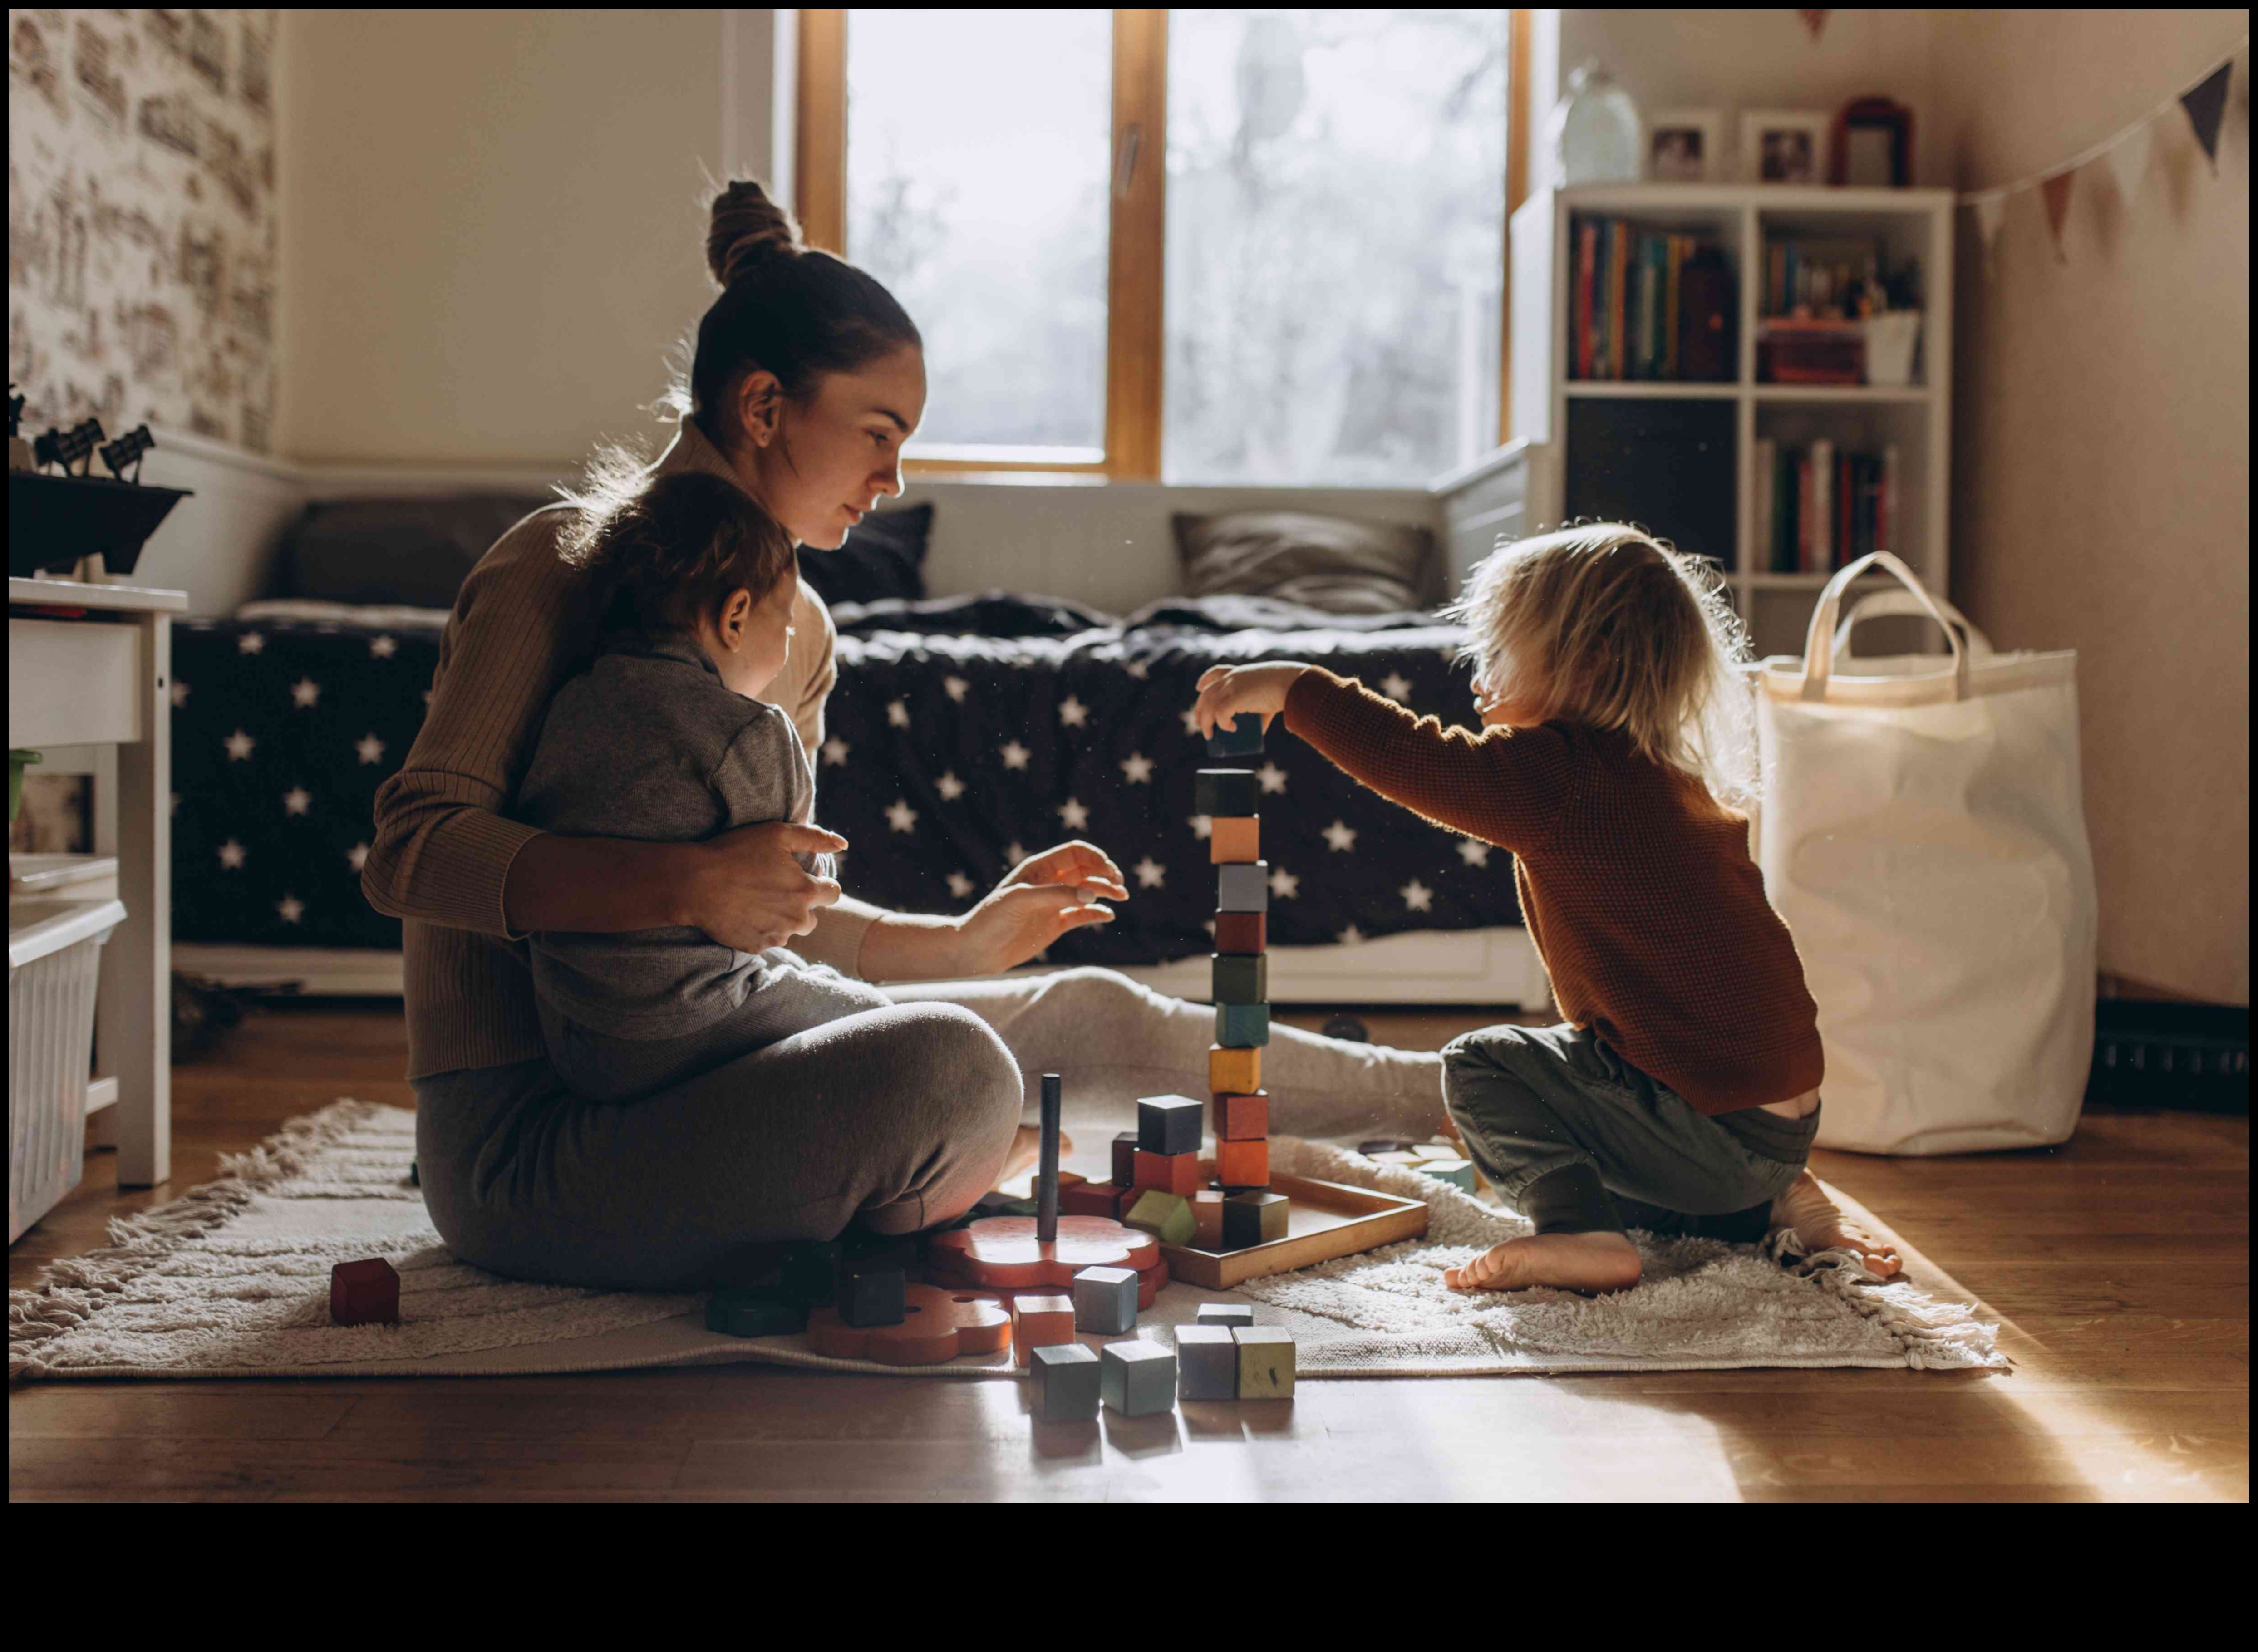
{"points": [[1604, 624]]}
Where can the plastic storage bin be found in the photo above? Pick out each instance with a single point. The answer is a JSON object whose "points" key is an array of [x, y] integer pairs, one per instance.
{"points": [[54, 952]]}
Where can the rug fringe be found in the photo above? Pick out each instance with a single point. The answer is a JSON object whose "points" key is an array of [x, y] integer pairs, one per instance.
{"points": [[1935, 1336], [72, 1290]]}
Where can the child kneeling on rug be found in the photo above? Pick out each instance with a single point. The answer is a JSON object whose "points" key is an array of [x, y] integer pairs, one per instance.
{"points": [[1681, 1093], [661, 738]]}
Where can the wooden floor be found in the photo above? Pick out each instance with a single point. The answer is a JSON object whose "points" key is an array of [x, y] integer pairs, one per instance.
{"points": [[2117, 1263]]}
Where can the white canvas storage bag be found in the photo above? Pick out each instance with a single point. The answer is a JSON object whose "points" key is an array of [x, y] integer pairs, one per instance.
{"points": [[1923, 836]]}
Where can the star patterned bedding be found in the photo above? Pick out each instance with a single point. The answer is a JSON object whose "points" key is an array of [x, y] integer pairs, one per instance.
{"points": [[963, 734]]}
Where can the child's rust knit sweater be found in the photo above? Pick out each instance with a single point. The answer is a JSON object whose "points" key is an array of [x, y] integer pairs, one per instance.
{"points": [[1635, 883]]}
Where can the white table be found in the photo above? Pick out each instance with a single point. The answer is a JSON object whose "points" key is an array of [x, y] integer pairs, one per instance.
{"points": [[104, 678]]}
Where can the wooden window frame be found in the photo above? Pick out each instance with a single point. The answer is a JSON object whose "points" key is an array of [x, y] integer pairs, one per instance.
{"points": [[1135, 281]]}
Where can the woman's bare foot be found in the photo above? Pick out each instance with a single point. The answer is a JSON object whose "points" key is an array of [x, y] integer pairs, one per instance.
{"points": [[1819, 1222], [1026, 1148], [1570, 1261]]}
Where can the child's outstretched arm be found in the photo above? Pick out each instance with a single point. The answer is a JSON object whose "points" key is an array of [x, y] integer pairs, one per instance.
{"points": [[1506, 786]]}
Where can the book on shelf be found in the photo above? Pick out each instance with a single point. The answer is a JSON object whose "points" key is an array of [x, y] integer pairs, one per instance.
{"points": [[1819, 507], [1634, 313]]}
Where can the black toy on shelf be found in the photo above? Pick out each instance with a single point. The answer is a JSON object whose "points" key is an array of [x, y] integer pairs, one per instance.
{"points": [[56, 520]]}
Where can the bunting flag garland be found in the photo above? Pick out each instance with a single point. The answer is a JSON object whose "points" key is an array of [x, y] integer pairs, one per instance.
{"points": [[2206, 106], [1814, 21], [2127, 153]]}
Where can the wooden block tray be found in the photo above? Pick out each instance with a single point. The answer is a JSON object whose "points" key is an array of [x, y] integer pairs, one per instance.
{"points": [[1325, 1219]]}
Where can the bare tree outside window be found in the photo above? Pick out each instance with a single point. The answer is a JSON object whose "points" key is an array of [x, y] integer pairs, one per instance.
{"points": [[1335, 244]]}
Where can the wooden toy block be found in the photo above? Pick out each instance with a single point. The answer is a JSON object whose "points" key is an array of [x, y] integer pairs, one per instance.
{"points": [[1003, 1252], [1237, 978], [364, 1293], [871, 1294], [1066, 1383], [1459, 1172], [1207, 1219], [1166, 1216], [1253, 1218], [1243, 1163], [1038, 1322], [811, 1269], [1433, 1150], [1226, 1313], [1168, 1124], [414, 1176], [1240, 1117], [755, 1310], [1241, 932], [1242, 1026], [1070, 1179], [1149, 1281], [1207, 1363], [1265, 1362], [1178, 1173], [1105, 1301], [1230, 793], [1374, 1149], [1091, 1199], [1237, 1071], [1243, 888], [1124, 1158], [1137, 1378], [1239, 736], [1234, 839], [1407, 1161], [939, 1325]]}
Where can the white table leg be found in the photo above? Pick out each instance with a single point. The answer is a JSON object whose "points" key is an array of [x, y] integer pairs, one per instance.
{"points": [[135, 1004]]}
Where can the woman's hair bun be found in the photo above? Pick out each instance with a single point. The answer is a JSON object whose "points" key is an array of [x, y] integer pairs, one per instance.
{"points": [[748, 230]]}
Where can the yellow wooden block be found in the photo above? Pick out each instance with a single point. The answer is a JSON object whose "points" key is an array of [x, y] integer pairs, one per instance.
{"points": [[1233, 840], [1238, 1071]]}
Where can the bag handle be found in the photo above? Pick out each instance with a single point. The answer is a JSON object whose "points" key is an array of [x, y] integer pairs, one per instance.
{"points": [[1878, 604], [1818, 650]]}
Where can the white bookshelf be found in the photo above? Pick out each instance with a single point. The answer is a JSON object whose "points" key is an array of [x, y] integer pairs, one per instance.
{"points": [[1737, 218]]}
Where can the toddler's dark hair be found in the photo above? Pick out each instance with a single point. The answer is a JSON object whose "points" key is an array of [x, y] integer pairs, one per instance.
{"points": [[669, 554]]}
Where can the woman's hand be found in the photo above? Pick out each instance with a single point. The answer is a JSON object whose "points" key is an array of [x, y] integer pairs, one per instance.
{"points": [[1041, 898], [1225, 691], [747, 892]]}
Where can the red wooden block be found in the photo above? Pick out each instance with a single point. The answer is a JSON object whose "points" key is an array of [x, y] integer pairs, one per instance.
{"points": [[365, 1292], [1171, 1173], [940, 1325], [1089, 1199], [1207, 1219], [1240, 1117], [1240, 932], [1004, 1251], [1243, 1163], [1038, 1322]]}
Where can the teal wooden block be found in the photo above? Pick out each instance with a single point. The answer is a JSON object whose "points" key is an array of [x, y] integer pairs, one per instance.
{"points": [[1242, 1026], [1241, 736], [1239, 978], [1458, 1172], [756, 1310], [1243, 886]]}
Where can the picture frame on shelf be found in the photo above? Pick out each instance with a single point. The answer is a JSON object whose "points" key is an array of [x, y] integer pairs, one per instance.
{"points": [[1685, 146], [1872, 147], [1785, 146]]}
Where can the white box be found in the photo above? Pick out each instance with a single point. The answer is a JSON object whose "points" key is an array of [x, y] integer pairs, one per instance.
{"points": [[54, 956]]}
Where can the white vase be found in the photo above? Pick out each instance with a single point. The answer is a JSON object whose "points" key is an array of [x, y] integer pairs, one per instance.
{"points": [[1594, 135], [1891, 338]]}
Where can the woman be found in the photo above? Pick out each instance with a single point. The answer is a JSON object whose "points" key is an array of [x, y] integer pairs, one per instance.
{"points": [[806, 379]]}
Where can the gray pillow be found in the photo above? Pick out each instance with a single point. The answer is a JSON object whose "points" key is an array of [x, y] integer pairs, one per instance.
{"points": [[406, 550], [1325, 562]]}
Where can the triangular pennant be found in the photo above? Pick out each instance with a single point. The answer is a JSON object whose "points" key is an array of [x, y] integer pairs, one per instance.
{"points": [[2206, 106], [1814, 21], [2057, 191], [2129, 159], [1991, 212]]}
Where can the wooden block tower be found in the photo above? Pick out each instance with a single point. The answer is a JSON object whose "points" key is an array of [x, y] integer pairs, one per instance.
{"points": [[1241, 1107]]}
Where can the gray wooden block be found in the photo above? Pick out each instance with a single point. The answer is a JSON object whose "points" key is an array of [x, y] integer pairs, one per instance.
{"points": [[1105, 1301], [1065, 1382], [1207, 1363], [1226, 1313], [1138, 1379], [1265, 1362], [1458, 1172], [1230, 792], [1243, 887], [1168, 1125]]}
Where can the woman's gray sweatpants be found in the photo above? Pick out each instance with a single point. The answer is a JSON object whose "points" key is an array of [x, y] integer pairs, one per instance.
{"points": [[894, 1118], [1579, 1140]]}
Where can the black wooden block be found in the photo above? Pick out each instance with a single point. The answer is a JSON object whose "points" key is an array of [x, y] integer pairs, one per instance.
{"points": [[1230, 792], [1239, 736], [872, 1295], [1168, 1125], [811, 1268], [1124, 1158], [755, 1310], [1253, 1218], [1239, 978]]}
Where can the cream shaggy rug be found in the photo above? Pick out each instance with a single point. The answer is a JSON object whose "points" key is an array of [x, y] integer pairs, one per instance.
{"points": [[232, 1281]]}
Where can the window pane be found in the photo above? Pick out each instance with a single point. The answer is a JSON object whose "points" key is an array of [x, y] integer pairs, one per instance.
{"points": [[1336, 230], [978, 151]]}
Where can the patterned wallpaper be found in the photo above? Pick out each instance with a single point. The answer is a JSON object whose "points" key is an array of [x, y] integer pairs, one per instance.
{"points": [[141, 220]]}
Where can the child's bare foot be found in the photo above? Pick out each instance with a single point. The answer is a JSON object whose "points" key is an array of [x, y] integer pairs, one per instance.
{"points": [[1026, 1148], [1571, 1261], [1819, 1222]]}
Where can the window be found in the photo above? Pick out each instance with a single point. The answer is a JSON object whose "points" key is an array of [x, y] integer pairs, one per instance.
{"points": [[1210, 246]]}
